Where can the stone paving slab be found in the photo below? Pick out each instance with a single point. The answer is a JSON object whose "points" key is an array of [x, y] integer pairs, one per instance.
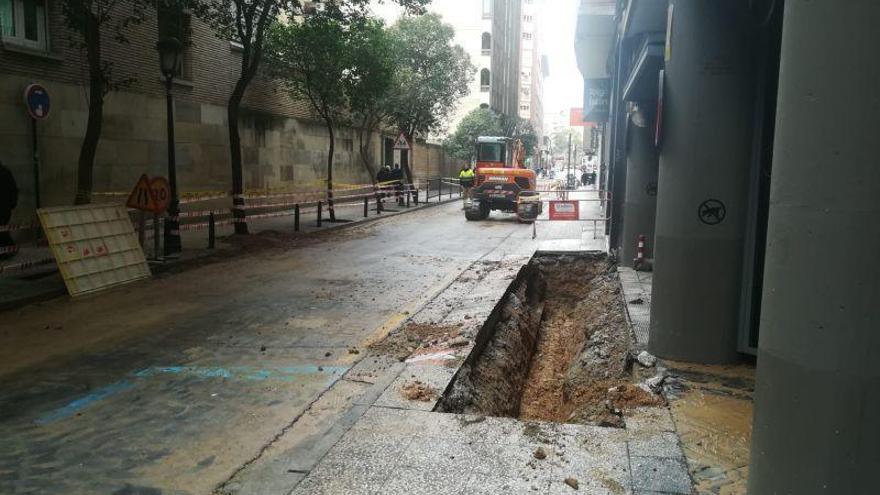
{"points": [[661, 474], [414, 452], [649, 419], [432, 375]]}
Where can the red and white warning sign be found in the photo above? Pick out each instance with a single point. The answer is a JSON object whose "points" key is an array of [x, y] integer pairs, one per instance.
{"points": [[150, 195], [564, 210], [401, 143]]}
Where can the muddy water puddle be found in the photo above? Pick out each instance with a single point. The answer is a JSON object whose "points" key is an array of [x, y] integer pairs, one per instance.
{"points": [[712, 411], [555, 349]]}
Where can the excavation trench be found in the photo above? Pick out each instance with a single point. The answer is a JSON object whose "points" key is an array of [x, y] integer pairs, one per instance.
{"points": [[554, 349]]}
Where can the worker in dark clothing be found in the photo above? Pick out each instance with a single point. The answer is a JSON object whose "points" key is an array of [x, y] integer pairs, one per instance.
{"points": [[382, 177], [384, 174], [8, 202]]}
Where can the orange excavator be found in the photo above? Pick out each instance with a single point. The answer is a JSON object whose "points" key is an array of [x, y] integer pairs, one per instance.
{"points": [[502, 182]]}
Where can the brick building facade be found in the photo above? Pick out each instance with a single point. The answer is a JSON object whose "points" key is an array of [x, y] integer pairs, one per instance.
{"points": [[284, 146]]}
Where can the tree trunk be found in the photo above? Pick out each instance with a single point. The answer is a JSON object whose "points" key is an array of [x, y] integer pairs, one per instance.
{"points": [[330, 172], [86, 163], [235, 156], [407, 170], [365, 139]]}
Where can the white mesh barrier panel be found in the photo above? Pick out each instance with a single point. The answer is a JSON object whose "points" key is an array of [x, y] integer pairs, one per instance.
{"points": [[95, 246]]}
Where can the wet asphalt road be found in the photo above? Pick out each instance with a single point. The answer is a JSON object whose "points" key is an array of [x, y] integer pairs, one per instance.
{"points": [[171, 385]]}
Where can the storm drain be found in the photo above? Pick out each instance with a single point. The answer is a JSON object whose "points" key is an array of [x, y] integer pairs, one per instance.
{"points": [[554, 349]]}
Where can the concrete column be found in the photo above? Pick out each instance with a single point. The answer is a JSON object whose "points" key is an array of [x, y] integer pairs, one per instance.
{"points": [[703, 183], [817, 401], [640, 203]]}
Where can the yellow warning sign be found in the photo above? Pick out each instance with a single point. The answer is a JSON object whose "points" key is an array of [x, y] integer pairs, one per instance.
{"points": [[141, 197]]}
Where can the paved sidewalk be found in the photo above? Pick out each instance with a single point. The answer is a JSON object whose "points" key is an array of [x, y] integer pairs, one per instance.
{"points": [[711, 405], [385, 443]]}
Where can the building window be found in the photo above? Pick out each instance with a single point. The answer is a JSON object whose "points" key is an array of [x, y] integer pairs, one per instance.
{"points": [[487, 9], [485, 80], [527, 36], [174, 22], [23, 23], [527, 18], [487, 44], [287, 173]]}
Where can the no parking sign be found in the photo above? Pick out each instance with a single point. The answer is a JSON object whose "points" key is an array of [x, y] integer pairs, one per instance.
{"points": [[36, 100]]}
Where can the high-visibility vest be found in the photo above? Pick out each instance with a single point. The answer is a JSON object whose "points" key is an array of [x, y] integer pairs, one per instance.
{"points": [[466, 174]]}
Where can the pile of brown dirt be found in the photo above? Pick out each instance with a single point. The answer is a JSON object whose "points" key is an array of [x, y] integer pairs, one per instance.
{"points": [[603, 403], [416, 390], [403, 342]]}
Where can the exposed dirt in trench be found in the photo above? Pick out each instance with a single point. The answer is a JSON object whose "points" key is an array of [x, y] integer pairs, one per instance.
{"points": [[578, 372], [560, 355]]}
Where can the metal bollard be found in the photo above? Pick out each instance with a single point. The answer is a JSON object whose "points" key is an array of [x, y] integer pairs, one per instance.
{"points": [[366, 206], [156, 240], [416, 197], [440, 189], [320, 205], [408, 194], [211, 232], [296, 217]]}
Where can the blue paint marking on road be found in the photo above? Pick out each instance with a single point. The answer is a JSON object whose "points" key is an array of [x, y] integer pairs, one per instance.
{"points": [[73, 407], [286, 374]]}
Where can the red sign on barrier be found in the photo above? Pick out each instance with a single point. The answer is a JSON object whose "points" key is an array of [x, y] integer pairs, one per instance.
{"points": [[564, 210]]}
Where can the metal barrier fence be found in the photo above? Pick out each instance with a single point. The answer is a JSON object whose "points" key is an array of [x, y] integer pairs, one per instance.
{"points": [[211, 211], [560, 195]]}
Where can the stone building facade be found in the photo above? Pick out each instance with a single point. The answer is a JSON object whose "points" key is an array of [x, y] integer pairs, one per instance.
{"points": [[506, 35], [284, 146]]}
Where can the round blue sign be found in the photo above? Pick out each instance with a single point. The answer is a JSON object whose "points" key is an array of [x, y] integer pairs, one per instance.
{"points": [[36, 99]]}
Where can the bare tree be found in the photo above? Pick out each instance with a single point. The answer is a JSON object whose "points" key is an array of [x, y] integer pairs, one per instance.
{"points": [[88, 20]]}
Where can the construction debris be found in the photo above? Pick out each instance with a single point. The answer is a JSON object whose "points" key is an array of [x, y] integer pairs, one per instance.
{"points": [[646, 359]]}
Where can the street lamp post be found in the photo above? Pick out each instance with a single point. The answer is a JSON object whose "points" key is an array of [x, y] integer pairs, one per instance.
{"points": [[169, 63]]}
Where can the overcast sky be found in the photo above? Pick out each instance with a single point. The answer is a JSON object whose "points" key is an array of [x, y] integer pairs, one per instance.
{"points": [[564, 88]]}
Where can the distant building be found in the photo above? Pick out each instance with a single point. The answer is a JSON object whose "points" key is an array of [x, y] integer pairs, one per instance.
{"points": [[506, 34], [533, 67], [489, 32]]}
